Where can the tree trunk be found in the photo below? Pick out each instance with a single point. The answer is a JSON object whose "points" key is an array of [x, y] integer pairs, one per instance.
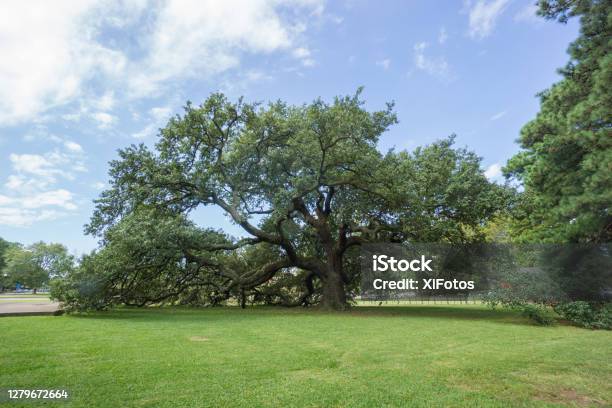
{"points": [[242, 299], [334, 292], [334, 296]]}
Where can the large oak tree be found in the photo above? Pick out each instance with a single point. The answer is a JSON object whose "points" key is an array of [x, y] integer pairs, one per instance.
{"points": [[307, 185]]}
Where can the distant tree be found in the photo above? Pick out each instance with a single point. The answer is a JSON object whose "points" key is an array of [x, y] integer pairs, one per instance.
{"points": [[4, 279], [566, 162], [498, 229], [4, 245], [35, 265], [306, 183]]}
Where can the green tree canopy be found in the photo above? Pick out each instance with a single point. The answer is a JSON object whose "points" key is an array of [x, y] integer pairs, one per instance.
{"points": [[35, 265], [566, 162], [306, 184], [5, 281], [4, 246]]}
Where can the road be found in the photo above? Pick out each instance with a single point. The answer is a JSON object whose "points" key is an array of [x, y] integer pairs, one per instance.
{"points": [[26, 305]]}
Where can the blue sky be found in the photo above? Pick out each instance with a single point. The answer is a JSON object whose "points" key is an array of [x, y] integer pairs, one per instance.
{"points": [[81, 79]]}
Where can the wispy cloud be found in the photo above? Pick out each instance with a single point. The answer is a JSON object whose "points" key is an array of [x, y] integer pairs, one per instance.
{"points": [[442, 36], [157, 116], [104, 120], [527, 14], [105, 102], [384, 63], [73, 146], [304, 55], [498, 115], [483, 17], [237, 85], [436, 66], [146, 132], [22, 217]]}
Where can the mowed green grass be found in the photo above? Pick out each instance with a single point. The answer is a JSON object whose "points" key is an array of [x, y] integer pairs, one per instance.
{"points": [[421, 356]]}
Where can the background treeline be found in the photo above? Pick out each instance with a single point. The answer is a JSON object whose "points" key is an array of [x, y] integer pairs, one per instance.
{"points": [[33, 266]]}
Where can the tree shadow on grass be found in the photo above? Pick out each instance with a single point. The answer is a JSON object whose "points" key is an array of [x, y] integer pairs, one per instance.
{"points": [[172, 313], [198, 315], [456, 312]]}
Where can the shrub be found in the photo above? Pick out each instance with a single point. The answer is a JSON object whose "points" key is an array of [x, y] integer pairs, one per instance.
{"points": [[585, 314], [539, 314]]}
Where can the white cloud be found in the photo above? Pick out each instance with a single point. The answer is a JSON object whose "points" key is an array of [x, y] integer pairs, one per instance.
{"points": [[493, 172], [528, 14], [146, 132], [4, 200], [238, 84], [105, 120], [436, 66], [255, 76], [106, 101], [442, 36], [73, 147], [52, 51], [21, 217], [498, 115], [204, 38], [22, 183], [385, 63], [42, 133], [301, 52], [59, 198], [25, 209], [46, 168], [48, 51], [483, 16], [158, 117], [30, 194], [161, 113], [71, 117], [35, 164], [304, 55]]}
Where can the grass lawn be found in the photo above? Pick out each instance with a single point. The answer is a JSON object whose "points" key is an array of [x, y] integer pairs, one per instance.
{"points": [[422, 356]]}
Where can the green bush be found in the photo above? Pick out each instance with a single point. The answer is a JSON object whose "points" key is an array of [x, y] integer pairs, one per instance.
{"points": [[585, 314], [539, 314]]}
